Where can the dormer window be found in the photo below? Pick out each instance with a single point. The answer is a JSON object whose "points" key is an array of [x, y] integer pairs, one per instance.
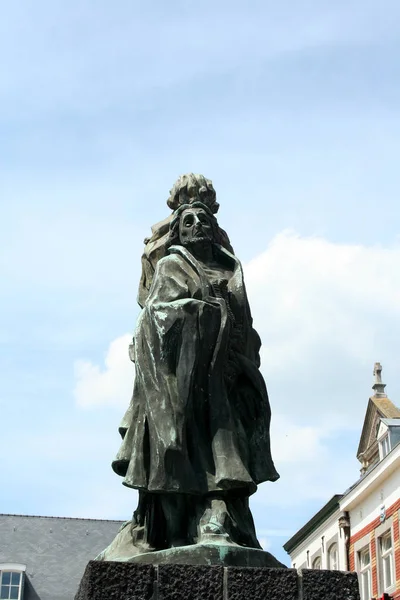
{"points": [[11, 581], [384, 446], [10, 585]]}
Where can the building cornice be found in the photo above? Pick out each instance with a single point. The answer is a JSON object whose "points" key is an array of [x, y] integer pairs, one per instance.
{"points": [[320, 517], [373, 478]]}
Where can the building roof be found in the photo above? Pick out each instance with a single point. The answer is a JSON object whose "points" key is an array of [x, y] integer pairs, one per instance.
{"points": [[377, 472], [326, 511], [55, 550], [386, 407], [65, 518], [391, 422]]}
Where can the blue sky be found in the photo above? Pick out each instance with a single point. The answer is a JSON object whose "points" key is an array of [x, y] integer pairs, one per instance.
{"points": [[293, 111]]}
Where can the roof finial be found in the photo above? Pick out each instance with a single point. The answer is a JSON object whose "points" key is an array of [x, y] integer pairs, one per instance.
{"points": [[378, 386]]}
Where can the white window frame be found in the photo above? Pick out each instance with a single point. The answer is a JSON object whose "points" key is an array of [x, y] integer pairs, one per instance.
{"points": [[365, 573], [14, 568], [384, 446], [333, 547], [386, 561], [319, 560]]}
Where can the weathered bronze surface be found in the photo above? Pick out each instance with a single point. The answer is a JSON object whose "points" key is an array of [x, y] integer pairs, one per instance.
{"points": [[195, 438]]}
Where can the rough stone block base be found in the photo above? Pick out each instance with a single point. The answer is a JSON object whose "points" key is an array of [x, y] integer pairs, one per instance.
{"points": [[116, 581], [128, 581]]}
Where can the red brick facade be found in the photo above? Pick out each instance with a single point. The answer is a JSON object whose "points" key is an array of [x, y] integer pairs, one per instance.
{"points": [[392, 511], [396, 536]]}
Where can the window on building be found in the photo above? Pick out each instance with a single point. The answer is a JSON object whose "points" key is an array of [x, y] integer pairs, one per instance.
{"points": [[333, 557], [384, 445], [386, 559], [11, 585], [364, 562], [316, 563]]}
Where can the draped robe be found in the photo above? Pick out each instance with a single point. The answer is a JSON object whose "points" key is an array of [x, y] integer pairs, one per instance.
{"points": [[189, 428]]}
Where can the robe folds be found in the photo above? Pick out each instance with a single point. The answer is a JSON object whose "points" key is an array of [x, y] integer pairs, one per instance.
{"points": [[189, 428]]}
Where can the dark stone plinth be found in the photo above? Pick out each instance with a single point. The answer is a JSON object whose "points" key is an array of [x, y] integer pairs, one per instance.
{"points": [[329, 585], [127, 581], [116, 581], [186, 582], [262, 584]]}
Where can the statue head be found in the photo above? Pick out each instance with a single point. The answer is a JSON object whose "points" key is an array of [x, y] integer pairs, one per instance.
{"points": [[191, 188], [195, 227], [189, 191], [194, 224]]}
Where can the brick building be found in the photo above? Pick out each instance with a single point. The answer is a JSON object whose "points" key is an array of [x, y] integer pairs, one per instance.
{"points": [[43, 558], [359, 530]]}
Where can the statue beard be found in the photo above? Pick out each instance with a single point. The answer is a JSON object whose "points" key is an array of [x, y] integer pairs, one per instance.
{"points": [[199, 247], [202, 241]]}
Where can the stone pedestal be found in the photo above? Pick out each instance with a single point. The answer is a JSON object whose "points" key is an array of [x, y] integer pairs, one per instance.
{"points": [[130, 581]]}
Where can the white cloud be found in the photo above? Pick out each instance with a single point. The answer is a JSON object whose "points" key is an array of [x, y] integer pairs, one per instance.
{"points": [[325, 313], [307, 440], [111, 385], [274, 532], [311, 462], [265, 543], [107, 499]]}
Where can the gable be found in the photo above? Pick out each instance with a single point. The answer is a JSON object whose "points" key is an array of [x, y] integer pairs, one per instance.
{"points": [[373, 430], [368, 433], [378, 408]]}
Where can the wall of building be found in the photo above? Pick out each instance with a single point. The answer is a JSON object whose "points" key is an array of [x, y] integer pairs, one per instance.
{"points": [[54, 550], [369, 535], [386, 493], [319, 543], [373, 507]]}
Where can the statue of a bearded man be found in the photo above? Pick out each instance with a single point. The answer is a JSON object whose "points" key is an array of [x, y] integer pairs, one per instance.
{"points": [[195, 438]]}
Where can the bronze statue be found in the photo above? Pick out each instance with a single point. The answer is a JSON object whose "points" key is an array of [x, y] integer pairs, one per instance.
{"points": [[195, 438]]}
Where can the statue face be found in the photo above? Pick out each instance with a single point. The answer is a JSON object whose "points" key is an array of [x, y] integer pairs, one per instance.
{"points": [[195, 227]]}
